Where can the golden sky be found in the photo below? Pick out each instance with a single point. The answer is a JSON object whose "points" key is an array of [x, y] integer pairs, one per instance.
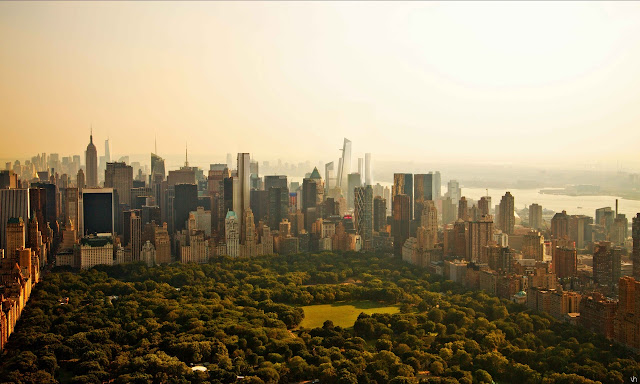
{"points": [[424, 81]]}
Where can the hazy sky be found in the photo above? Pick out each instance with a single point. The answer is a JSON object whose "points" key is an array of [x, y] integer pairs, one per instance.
{"points": [[520, 82]]}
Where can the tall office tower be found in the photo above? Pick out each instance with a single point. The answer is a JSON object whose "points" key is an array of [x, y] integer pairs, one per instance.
{"points": [[80, 183], [8, 179], [241, 191], [259, 205], [401, 225], [635, 252], [218, 173], [437, 185], [560, 225], [97, 211], [506, 215], [107, 151], [368, 169], [578, 226], [119, 176], [363, 215], [355, 181], [159, 237], [387, 196], [16, 237], [232, 235], [379, 214], [619, 230], [329, 176], [449, 213], [428, 230], [606, 264], [535, 216], [605, 217], [463, 209], [157, 168], [135, 237], [627, 321], [185, 201], [483, 205], [533, 246], [361, 166], [344, 167], [71, 206], [403, 185], [460, 239], [250, 246], [480, 233], [422, 191], [453, 190], [278, 205], [13, 203], [91, 161], [565, 262]]}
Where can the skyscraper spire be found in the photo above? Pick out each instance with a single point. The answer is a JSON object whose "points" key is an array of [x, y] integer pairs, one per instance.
{"points": [[186, 155], [155, 145], [91, 134]]}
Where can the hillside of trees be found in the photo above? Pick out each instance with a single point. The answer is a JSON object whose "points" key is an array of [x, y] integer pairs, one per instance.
{"points": [[239, 317]]}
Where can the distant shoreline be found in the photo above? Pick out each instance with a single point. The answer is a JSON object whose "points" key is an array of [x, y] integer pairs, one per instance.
{"points": [[564, 192]]}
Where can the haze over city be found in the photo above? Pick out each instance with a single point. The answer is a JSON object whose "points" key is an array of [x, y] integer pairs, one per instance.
{"points": [[519, 83], [319, 192]]}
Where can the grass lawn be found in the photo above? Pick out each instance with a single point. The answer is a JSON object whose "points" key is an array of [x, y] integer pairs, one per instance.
{"points": [[343, 314]]}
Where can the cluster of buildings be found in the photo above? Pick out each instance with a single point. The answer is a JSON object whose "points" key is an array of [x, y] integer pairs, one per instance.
{"points": [[110, 212]]}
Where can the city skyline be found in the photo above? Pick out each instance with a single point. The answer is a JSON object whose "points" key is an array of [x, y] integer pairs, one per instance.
{"points": [[192, 72]]}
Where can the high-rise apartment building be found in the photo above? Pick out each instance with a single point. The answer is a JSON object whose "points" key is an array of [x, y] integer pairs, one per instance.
{"points": [[422, 191], [119, 176], [506, 216], [453, 190], [535, 216], [565, 262], [363, 215], [241, 191], [635, 252], [135, 239], [483, 205], [91, 161], [533, 246], [403, 185], [463, 209], [480, 233], [449, 214], [344, 166], [354, 181], [401, 225], [16, 237], [606, 264], [379, 214], [14, 203]]}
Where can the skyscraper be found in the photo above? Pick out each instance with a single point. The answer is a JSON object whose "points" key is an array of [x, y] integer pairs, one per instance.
{"points": [[565, 262], [91, 161], [483, 205], [97, 211], [606, 264], [533, 246], [16, 237], [344, 168], [635, 252], [506, 215], [401, 225], [403, 185], [135, 239], [329, 176], [242, 191], [355, 181], [363, 215], [157, 168], [422, 191], [463, 209], [480, 233], [368, 169], [379, 214], [535, 216], [119, 176], [107, 151], [185, 201], [453, 190], [13, 203], [80, 181], [437, 185]]}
